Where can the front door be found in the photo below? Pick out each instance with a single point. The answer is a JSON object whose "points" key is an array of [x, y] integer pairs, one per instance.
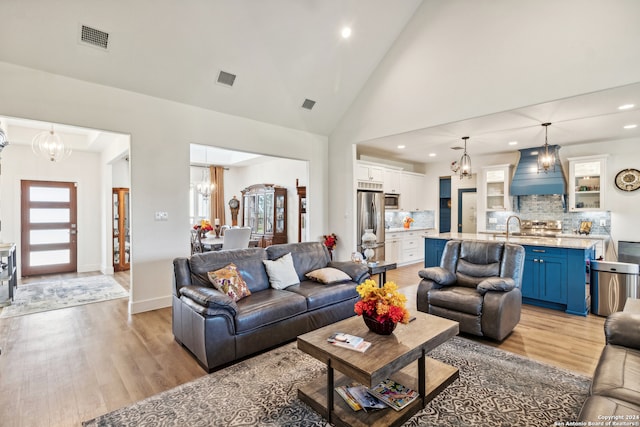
{"points": [[48, 229]]}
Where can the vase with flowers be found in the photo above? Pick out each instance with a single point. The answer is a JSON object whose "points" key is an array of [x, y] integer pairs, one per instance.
{"points": [[407, 221], [203, 228], [381, 307], [330, 241]]}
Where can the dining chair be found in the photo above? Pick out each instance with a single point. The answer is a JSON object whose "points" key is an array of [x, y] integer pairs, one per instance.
{"points": [[196, 244], [236, 238]]}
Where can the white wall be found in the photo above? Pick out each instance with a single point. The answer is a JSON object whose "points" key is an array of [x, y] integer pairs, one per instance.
{"points": [[282, 172], [19, 163], [458, 59], [161, 132]]}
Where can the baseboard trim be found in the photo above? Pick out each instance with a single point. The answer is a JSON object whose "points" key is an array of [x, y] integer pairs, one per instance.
{"points": [[136, 307]]}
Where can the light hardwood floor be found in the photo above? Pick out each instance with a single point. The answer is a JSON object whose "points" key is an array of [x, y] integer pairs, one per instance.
{"points": [[62, 367]]}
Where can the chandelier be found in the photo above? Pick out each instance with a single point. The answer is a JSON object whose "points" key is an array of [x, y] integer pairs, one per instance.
{"points": [[205, 188], [546, 157], [49, 144], [465, 162]]}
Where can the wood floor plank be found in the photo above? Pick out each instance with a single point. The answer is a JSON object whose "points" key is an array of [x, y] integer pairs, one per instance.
{"points": [[62, 367]]}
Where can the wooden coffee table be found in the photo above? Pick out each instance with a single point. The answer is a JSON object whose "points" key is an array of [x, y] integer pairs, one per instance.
{"points": [[390, 356]]}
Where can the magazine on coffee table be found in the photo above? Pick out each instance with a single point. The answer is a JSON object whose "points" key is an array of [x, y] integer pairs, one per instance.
{"points": [[352, 342], [367, 401], [393, 394], [348, 398]]}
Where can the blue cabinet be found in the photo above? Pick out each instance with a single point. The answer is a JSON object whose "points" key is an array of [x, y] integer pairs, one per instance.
{"points": [[545, 274], [557, 278], [433, 249]]}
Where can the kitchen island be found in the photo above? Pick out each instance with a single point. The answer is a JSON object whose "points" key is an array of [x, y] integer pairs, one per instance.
{"points": [[556, 269]]}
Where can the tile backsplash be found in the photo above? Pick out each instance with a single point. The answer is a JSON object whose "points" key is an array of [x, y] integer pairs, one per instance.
{"points": [[423, 219], [549, 207]]}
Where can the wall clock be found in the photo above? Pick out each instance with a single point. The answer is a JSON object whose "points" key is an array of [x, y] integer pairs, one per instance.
{"points": [[628, 179]]}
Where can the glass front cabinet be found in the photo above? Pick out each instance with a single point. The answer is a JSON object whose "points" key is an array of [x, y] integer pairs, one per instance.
{"points": [[121, 239], [495, 180], [264, 210], [587, 183]]}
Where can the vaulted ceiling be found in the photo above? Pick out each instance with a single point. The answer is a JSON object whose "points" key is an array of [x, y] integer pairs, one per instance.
{"points": [[281, 51]]}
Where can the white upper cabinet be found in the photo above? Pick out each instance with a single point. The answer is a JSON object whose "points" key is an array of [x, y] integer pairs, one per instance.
{"points": [[494, 186], [587, 183], [493, 192], [413, 192], [369, 177], [392, 179]]}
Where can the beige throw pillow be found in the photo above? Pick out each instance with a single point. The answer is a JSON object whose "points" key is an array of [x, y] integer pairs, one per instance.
{"points": [[281, 272], [328, 275]]}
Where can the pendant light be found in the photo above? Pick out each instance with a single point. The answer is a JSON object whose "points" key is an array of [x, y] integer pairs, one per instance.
{"points": [[546, 157], [49, 144], [465, 162], [205, 188]]}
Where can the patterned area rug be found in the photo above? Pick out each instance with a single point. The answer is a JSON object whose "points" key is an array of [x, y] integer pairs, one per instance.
{"points": [[55, 294], [495, 388]]}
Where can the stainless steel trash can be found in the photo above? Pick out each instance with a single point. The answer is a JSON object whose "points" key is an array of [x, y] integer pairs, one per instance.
{"points": [[611, 284]]}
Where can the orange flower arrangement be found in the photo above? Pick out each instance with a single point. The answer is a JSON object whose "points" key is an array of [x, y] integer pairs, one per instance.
{"points": [[203, 227], [407, 221], [384, 303]]}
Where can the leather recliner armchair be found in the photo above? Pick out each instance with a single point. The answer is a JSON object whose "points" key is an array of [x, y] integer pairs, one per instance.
{"points": [[478, 285]]}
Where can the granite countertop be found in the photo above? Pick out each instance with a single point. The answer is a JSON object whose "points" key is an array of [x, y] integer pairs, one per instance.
{"points": [[565, 241]]}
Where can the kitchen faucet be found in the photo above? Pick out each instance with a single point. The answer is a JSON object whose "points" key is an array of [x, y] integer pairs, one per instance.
{"points": [[519, 223]]}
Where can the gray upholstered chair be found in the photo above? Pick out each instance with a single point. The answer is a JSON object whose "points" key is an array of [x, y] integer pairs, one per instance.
{"points": [[477, 285]]}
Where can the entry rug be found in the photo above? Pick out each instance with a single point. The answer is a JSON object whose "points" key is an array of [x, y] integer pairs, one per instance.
{"points": [[55, 294], [495, 388]]}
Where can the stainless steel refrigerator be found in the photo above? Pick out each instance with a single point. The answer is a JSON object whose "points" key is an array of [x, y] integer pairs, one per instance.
{"points": [[371, 215]]}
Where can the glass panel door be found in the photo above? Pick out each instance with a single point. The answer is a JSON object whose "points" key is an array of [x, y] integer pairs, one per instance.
{"points": [[260, 212], [48, 215], [268, 208]]}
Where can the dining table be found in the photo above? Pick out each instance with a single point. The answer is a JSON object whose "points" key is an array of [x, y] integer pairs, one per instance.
{"points": [[213, 243]]}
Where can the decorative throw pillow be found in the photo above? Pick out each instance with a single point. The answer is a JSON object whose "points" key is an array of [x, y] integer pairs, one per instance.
{"points": [[229, 281], [328, 275], [281, 272]]}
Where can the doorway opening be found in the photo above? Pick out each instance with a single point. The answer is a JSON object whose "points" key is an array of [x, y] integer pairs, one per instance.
{"points": [[467, 210]]}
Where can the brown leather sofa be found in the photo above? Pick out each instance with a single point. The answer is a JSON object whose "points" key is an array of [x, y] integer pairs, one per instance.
{"points": [[615, 388], [218, 330], [477, 284]]}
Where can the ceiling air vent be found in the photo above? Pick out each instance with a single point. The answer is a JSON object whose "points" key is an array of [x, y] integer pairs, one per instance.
{"points": [[226, 79], [94, 37], [456, 148], [308, 104]]}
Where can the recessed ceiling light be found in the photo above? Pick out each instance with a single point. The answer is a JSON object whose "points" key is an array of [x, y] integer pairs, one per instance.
{"points": [[346, 32], [626, 106], [630, 126], [432, 154], [401, 147], [513, 142]]}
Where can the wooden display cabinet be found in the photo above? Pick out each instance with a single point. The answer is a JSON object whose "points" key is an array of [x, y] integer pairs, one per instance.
{"points": [[264, 210], [121, 239], [302, 211]]}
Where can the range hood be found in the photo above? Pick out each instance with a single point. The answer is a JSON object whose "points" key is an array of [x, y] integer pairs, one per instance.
{"points": [[528, 181]]}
